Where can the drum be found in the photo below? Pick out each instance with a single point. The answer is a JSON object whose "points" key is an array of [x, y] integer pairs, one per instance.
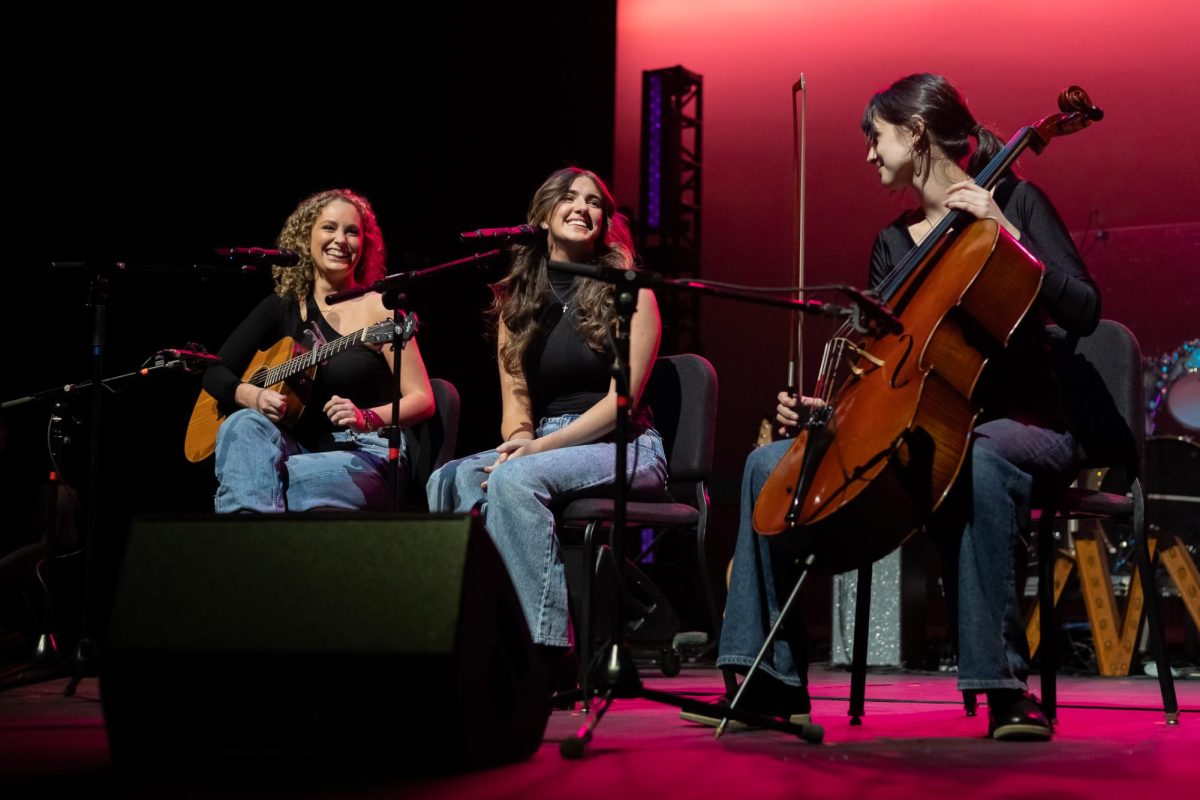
{"points": [[1173, 386]]}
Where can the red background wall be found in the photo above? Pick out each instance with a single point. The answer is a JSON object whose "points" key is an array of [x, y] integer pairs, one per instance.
{"points": [[1133, 174]]}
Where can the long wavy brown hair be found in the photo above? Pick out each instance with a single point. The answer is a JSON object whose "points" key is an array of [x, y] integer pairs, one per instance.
{"points": [[296, 235], [518, 298], [948, 121]]}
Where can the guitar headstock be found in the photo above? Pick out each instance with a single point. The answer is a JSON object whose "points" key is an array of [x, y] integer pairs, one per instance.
{"points": [[379, 333]]}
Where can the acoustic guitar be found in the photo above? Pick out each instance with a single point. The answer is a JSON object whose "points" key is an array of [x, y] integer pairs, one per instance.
{"points": [[285, 367]]}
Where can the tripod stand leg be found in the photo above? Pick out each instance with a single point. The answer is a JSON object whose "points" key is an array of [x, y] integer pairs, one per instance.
{"points": [[770, 640], [574, 745], [45, 666]]}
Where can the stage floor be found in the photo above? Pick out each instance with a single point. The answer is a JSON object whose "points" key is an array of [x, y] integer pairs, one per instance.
{"points": [[915, 741]]}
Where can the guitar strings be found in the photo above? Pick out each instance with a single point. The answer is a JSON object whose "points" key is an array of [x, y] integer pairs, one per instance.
{"points": [[278, 373]]}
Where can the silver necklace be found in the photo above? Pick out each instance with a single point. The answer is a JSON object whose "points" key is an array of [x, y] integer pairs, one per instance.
{"points": [[565, 303]]}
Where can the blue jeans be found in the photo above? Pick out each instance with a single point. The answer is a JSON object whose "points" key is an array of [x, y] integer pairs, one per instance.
{"points": [[516, 508], [262, 468], [755, 585], [1007, 458], [988, 507]]}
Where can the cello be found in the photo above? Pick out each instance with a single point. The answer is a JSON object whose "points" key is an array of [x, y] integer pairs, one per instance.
{"points": [[869, 467]]}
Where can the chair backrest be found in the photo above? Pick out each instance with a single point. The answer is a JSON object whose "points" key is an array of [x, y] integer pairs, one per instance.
{"points": [[1101, 380], [431, 443], [682, 392]]}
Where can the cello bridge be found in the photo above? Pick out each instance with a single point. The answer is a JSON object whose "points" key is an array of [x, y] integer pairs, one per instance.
{"points": [[861, 353]]}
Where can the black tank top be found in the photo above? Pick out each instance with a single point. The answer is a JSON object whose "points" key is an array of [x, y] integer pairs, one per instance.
{"points": [[564, 374]]}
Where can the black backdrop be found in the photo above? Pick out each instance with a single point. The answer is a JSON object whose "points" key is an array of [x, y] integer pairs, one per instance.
{"points": [[153, 148]]}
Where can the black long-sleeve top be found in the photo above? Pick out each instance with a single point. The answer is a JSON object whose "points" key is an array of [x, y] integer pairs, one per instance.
{"points": [[359, 373], [1019, 383]]}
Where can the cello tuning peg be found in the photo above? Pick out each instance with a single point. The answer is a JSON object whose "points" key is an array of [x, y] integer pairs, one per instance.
{"points": [[1074, 98]]}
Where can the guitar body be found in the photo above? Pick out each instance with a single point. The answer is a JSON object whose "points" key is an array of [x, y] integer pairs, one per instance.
{"points": [[766, 433], [201, 439]]}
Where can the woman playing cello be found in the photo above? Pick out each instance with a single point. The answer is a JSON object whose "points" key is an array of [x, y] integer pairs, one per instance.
{"points": [[922, 137]]}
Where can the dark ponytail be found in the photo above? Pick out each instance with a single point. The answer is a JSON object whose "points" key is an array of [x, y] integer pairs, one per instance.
{"points": [[948, 121], [988, 145]]}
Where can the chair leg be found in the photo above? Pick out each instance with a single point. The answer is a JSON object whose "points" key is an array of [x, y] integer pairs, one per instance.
{"points": [[584, 640], [1048, 614], [1166, 681], [858, 663], [710, 597]]}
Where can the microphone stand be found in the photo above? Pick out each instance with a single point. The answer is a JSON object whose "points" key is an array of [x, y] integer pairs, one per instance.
{"points": [[616, 676], [85, 661], [46, 664], [404, 327]]}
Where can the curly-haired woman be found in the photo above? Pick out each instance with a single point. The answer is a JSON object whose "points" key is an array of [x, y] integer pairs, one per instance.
{"points": [[333, 457]]}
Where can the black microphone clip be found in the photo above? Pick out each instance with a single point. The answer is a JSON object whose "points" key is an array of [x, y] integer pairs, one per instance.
{"points": [[869, 308]]}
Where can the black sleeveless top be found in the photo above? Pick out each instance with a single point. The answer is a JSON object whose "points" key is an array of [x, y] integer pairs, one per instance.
{"points": [[564, 374]]}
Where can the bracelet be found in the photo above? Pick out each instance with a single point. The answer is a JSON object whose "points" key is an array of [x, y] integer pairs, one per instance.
{"points": [[371, 420]]}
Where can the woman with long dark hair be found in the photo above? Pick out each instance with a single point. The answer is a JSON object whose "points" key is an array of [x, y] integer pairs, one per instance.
{"points": [[558, 397], [922, 138]]}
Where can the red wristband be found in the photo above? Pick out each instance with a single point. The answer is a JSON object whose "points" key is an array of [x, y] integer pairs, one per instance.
{"points": [[371, 420]]}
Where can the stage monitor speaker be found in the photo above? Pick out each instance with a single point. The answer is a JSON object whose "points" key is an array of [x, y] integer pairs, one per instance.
{"points": [[397, 639]]}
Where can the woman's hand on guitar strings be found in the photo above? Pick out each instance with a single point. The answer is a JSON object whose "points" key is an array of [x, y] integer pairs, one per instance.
{"points": [[270, 404]]}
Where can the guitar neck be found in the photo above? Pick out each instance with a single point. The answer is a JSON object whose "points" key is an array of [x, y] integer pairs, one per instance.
{"points": [[287, 369]]}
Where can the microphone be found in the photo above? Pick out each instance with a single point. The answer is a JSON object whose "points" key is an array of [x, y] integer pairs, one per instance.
{"points": [[207, 359], [260, 255], [190, 361], [515, 232]]}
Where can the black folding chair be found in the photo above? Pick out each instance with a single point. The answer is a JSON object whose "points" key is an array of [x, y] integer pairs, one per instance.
{"points": [[683, 395], [1101, 381]]}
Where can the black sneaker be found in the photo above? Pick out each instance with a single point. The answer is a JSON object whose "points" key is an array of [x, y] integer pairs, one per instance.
{"points": [[1015, 716], [765, 695], [713, 720]]}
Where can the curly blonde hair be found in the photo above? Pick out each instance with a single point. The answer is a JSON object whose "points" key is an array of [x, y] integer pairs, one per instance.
{"points": [[519, 297], [296, 235]]}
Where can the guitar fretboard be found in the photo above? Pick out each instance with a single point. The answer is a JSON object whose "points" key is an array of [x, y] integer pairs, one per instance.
{"points": [[287, 369]]}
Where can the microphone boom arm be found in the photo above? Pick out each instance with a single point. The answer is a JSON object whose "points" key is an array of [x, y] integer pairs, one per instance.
{"points": [[862, 306], [399, 280]]}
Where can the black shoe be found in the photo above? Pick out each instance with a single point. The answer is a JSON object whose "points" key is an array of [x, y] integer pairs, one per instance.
{"points": [[561, 666], [1015, 716], [765, 695], [714, 719]]}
